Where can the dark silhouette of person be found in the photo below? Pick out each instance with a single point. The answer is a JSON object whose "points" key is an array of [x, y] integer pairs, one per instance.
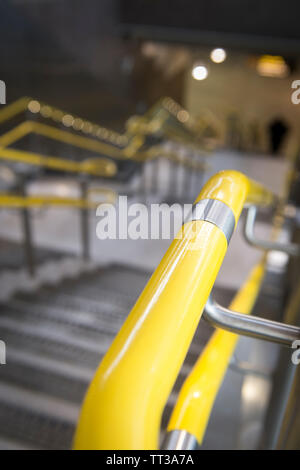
{"points": [[277, 132]]}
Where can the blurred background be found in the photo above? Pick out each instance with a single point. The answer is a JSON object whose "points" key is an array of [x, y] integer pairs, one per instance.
{"points": [[148, 99], [118, 58]]}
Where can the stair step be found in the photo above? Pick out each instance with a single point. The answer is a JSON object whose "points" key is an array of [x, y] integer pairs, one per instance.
{"points": [[78, 300], [35, 419], [50, 376], [46, 323], [50, 333]]}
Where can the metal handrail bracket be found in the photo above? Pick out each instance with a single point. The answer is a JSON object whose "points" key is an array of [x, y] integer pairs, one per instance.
{"points": [[266, 245], [246, 325]]}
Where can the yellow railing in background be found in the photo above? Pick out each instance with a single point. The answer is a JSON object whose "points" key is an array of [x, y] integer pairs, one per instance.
{"points": [[169, 118], [15, 201], [60, 117], [152, 121], [18, 201], [97, 166], [98, 140], [13, 109], [28, 127], [125, 401]]}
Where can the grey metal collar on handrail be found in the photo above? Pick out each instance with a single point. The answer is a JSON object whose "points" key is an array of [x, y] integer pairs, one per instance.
{"points": [[289, 248], [215, 212], [255, 327], [178, 439]]}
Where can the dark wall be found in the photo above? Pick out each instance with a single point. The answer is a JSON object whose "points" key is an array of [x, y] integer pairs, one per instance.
{"points": [[266, 25], [66, 52]]}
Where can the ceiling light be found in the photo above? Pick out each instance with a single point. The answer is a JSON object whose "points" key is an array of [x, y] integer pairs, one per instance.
{"points": [[218, 55], [199, 72], [272, 66]]}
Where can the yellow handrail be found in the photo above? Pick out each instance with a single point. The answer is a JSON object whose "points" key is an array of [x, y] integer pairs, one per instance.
{"points": [[16, 201], [104, 141], [11, 200], [168, 118], [96, 167], [14, 109], [125, 401], [62, 117], [66, 137], [131, 151], [200, 389]]}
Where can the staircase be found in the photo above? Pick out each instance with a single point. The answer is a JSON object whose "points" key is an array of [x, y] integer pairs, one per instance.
{"points": [[55, 339]]}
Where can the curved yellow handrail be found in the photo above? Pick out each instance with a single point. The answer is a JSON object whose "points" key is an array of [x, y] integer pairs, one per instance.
{"points": [[125, 401], [200, 389]]}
